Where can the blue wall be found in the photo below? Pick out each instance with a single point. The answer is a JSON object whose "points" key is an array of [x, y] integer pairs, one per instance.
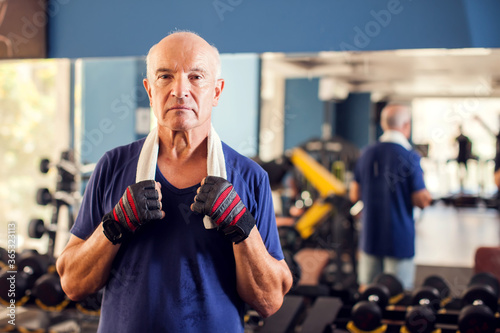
{"points": [[236, 118], [353, 119], [95, 28], [110, 92], [303, 112], [113, 28]]}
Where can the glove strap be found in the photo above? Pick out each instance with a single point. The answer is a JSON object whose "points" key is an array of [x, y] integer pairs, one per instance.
{"points": [[113, 229], [240, 231]]}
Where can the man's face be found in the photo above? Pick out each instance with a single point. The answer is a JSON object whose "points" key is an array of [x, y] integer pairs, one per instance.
{"points": [[181, 84]]}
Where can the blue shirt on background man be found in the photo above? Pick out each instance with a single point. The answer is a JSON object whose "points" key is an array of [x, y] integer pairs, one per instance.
{"points": [[388, 173]]}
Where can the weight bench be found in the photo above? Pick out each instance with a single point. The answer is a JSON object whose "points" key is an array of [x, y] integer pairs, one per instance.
{"points": [[285, 319]]}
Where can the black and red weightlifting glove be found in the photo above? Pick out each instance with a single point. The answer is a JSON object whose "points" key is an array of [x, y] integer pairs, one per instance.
{"points": [[139, 204], [217, 198]]}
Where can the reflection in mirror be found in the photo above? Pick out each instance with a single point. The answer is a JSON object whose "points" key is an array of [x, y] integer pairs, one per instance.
{"points": [[446, 87]]}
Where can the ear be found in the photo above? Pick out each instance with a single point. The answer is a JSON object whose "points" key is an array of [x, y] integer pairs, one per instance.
{"points": [[408, 129], [145, 82], [219, 86]]}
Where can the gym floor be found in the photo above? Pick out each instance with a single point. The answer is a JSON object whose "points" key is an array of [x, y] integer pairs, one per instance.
{"points": [[447, 238]]}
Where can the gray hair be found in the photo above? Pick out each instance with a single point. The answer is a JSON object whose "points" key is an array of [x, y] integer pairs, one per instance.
{"points": [[218, 69], [395, 116]]}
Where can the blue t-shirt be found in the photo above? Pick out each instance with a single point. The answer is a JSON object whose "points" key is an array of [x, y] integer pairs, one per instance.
{"points": [[388, 174], [174, 275]]}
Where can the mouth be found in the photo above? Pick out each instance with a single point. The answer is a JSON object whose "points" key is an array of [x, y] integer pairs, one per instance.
{"points": [[179, 107]]}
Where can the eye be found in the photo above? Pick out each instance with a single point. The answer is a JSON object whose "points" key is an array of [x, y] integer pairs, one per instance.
{"points": [[196, 77], [165, 76]]}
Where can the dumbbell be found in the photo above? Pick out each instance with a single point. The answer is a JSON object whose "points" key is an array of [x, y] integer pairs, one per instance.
{"points": [[45, 165], [30, 266], [91, 305], [48, 293], [43, 196], [425, 302], [368, 311], [479, 304], [37, 228]]}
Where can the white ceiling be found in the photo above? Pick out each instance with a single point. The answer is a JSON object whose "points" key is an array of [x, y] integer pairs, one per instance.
{"points": [[397, 74]]}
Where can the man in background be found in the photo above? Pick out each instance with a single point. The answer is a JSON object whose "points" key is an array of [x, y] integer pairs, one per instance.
{"points": [[389, 180]]}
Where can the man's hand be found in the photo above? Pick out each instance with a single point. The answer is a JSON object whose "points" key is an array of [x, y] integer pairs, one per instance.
{"points": [[217, 198], [140, 203]]}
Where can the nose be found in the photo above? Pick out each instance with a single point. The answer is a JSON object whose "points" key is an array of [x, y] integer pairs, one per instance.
{"points": [[180, 88]]}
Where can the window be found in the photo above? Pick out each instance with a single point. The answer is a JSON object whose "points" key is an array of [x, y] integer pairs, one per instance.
{"points": [[35, 124], [436, 122]]}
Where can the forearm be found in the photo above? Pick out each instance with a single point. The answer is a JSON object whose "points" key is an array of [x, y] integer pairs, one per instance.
{"points": [[421, 199], [262, 281], [84, 266], [354, 192]]}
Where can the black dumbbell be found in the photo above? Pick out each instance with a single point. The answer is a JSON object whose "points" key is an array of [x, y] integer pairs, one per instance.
{"points": [[36, 228], [45, 165], [30, 266], [396, 291], [425, 302], [43, 196], [91, 305], [368, 311], [479, 304], [48, 292]]}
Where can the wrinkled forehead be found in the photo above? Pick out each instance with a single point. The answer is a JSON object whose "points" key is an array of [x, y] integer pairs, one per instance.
{"points": [[183, 55]]}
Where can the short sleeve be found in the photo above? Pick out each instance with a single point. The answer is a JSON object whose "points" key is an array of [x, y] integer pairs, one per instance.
{"points": [[266, 219], [418, 174], [91, 210]]}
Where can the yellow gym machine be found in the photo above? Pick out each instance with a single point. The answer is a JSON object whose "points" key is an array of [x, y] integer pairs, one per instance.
{"points": [[312, 230], [324, 182]]}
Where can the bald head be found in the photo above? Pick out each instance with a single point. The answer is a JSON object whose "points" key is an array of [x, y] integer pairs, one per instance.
{"points": [[395, 117], [187, 42]]}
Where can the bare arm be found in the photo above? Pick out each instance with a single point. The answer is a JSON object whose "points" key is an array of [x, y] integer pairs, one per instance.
{"points": [[85, 265], [421, 199], [262, 281], [354, 192]]}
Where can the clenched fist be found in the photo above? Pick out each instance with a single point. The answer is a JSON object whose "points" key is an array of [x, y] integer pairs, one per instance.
{"points": [[217, 198], [140, 204]]}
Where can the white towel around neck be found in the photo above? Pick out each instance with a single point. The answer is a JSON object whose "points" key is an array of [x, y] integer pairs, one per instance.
{"points": [[395, 137], [216, 165]]}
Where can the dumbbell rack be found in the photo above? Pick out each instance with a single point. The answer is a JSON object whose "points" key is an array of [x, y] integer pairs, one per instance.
{"points": [[331, 314], [329, 311], [29, 318], [394, 317], [66, 192], [44, 307]]}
